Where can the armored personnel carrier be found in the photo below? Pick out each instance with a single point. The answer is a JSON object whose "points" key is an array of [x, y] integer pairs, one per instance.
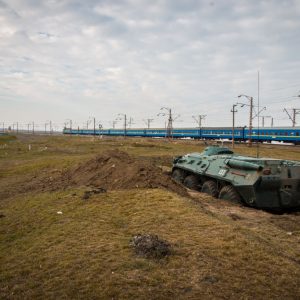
{"points": [[259, 182]]}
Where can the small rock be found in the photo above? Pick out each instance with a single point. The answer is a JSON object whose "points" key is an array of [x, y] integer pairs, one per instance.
{"points": [[235, 217], [289, 233], [150, 246], [99, 190], [59, 213], [87, 194], [210, 279]]}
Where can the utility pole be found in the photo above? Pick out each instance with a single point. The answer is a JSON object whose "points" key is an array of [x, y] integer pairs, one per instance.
{"points": [[258, 104], [28, 127], [296, 111], [46, 128], [250, 121], [114, 122], [70, 124], [17, 125], [50, 129], [130, 122], [265, 117], [169, 127], [250, 117], [100, 128], [125, 123], [233, 121], [32, 127], [94, 126], [198, 120], [148, 122]]}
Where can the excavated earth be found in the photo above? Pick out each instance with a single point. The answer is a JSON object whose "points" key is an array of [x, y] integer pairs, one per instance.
{"points": [[115, 170], [112, 170]]}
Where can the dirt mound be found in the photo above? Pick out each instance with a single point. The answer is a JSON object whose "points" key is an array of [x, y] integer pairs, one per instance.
{"points": [[112, 170], [115, 170], [150, 246]]}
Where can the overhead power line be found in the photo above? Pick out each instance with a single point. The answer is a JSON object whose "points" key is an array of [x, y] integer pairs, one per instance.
{"points": [[283, 88]]}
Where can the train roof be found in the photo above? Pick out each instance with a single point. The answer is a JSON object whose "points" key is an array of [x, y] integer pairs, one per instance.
{"points": [[209, 128], [276, 128]]}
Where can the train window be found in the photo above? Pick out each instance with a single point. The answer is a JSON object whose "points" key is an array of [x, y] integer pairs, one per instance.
{"points": [[297, 133], [286, 133]]}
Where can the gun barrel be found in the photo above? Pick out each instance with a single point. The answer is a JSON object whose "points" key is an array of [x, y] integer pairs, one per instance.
{"points": [[243, 165]]}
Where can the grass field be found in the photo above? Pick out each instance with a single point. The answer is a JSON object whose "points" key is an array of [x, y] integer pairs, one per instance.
{"points": [[54, 244]]}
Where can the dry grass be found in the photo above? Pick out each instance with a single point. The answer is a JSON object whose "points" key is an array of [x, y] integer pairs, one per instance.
{"points": [[84, 252]]}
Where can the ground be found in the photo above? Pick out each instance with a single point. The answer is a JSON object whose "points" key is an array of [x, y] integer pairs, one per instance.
{"points": [[61, 237]]}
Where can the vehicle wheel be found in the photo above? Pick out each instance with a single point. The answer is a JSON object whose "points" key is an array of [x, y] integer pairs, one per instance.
{"points": [[228, 192], [178, 175], [191, 182], [210, 187]]}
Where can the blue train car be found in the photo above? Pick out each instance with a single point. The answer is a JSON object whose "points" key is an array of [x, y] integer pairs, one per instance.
{"points": [[222, 133], [278, 134]]}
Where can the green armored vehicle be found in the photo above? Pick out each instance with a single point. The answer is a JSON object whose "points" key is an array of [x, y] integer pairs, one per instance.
{"points": [[259, 182]]}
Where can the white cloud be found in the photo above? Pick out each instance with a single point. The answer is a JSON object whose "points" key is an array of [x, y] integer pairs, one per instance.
{"points": [[74, 59]]}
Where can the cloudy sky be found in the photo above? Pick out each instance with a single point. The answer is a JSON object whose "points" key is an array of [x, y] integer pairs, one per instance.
{"points": [[73, 59]]}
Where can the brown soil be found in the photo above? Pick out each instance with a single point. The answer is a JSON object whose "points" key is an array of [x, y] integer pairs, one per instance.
{"points": [[115, 170], [150, 246], [112, 170]]}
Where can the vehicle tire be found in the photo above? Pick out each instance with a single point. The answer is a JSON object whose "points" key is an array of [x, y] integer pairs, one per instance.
{"points": [[191, 182], [210, 187], [178, 175], [228, 192]]}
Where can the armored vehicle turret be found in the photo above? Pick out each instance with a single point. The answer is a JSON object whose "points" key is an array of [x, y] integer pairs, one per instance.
{"points": [[259, 182]]}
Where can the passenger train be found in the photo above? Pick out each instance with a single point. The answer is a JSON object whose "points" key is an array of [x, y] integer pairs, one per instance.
{"points": [[264, 134]]}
